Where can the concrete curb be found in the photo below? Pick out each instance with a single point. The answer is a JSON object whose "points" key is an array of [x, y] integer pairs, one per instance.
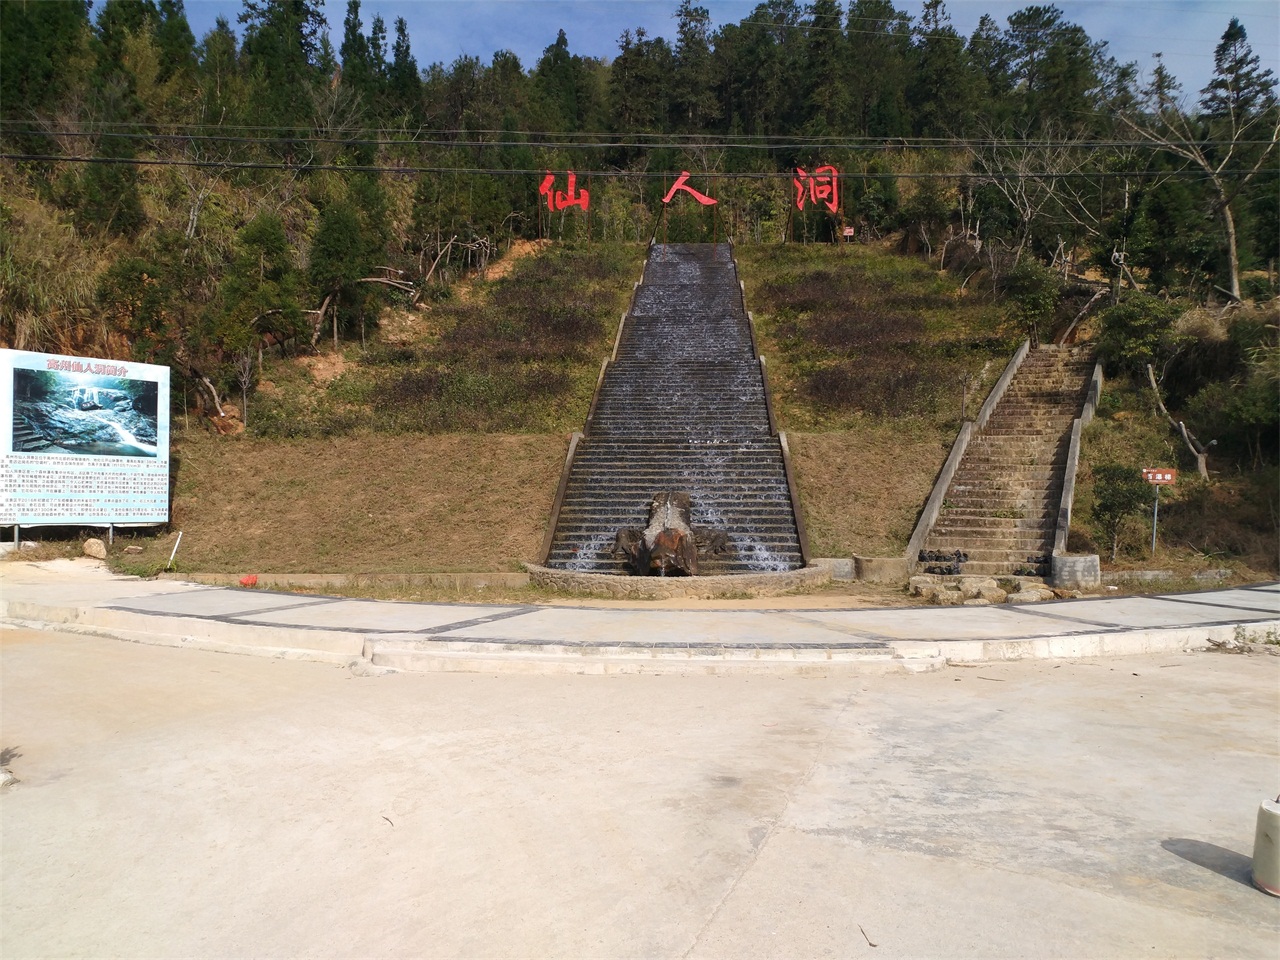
{"points": [[289, 643], [418, 653], [283, 581], [610, 586]]}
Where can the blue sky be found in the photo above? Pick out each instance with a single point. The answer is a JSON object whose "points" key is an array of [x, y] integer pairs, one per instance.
{"points": [[1185, 31]]}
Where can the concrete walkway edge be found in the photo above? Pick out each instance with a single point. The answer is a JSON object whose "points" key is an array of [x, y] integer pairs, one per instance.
{"points": [[379, 635]]}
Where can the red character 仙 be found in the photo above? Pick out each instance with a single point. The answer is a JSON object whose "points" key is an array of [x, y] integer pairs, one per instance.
{"points": [[563, 199]]}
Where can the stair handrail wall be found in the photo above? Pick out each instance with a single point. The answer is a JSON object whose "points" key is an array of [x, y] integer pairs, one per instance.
{"points": [[801, 534], [1073, 461], [556, 504], [554, 522], [792, 489], [933, 506], [1002, 384]]}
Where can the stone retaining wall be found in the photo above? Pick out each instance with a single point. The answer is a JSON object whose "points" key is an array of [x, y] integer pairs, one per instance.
{"points": [[666, 588]]}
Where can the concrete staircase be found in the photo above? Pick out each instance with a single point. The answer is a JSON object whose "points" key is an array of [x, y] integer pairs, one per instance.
{"points": [[1000, 513], [26, 437], [681, 406]]}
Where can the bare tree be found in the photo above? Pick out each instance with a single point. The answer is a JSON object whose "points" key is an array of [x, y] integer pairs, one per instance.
{"points": [[1230, 141], [245, 370], [1054, 178], [1198, 450]]}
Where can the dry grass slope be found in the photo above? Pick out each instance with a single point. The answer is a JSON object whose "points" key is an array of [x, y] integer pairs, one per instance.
{"points": [[360, 503]]}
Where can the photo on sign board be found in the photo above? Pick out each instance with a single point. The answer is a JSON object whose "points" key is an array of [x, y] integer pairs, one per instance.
{"points": [[91, 415]]}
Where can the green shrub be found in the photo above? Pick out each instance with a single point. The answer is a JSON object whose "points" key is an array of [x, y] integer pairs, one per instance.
{"points": [[1135, 332], [1119, 492], [1034, 291]]}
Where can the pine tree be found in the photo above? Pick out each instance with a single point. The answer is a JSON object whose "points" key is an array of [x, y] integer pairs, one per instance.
{"points": [[405, 86], [1054, 65], [175, 40], [693, 100], [826, 90], [356, 68], [280, 50], [637, 83], [941, 91], [879, 46]]}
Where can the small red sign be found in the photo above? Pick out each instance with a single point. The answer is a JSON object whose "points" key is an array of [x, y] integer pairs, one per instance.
{"points": [[1159, 475]]}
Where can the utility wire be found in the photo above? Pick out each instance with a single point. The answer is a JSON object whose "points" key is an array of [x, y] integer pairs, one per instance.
{"points": [[1186, 173], [830, 144]]}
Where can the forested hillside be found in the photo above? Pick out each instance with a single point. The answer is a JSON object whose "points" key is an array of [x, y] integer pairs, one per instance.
{"points": [[189, 200]]}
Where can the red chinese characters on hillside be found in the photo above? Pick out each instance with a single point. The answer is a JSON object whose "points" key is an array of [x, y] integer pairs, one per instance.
{"points": [[558, 200], [682, 183], [819, 187]]}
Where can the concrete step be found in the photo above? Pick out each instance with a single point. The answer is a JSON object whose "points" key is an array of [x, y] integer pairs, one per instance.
{"points": [[656, 656], [682, 407]]}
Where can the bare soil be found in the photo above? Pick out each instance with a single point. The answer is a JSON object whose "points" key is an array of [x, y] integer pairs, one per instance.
{"points": [[412, 503]]}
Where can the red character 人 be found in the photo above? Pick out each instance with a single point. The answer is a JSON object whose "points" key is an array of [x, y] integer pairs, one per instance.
{"points": [[682, 183]]}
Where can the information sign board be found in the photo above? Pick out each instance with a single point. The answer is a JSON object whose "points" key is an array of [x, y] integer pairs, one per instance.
{"points": [[1160, 475], [82, 441]]}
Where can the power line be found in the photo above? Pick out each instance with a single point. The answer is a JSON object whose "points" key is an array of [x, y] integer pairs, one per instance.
{"points": [[828, 144], [1186, 173]]}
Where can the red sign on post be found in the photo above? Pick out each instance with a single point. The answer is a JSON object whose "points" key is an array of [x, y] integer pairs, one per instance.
{"points": [[821, 186], [558, 200], [1161, 476]]}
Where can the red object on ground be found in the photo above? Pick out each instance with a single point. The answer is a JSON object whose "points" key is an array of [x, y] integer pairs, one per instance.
{"points": [[249, 580]]}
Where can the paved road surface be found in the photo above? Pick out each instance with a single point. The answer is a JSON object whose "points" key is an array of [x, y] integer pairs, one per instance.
{"points": [[186, 803], [181, 802]]}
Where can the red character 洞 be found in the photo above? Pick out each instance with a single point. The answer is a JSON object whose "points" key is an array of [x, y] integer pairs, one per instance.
{"points": [[821, 186]]}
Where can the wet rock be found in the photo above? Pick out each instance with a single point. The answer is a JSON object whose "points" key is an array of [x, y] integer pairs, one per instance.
{"points": [[93, 547]]}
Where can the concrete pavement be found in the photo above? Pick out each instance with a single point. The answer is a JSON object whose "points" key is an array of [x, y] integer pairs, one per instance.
{"points": [[173, 802], [81, 595]]}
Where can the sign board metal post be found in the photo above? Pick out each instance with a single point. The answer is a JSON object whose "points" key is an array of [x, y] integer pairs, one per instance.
{"points": [[1158, 477], [1155, 521]]}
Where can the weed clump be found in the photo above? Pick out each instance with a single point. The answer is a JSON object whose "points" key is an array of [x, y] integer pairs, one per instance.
{"points": [[518, 354], [862, 331]]}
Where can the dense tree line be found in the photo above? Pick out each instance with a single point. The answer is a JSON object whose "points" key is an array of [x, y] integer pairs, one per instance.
{"points": [[195, 196]]}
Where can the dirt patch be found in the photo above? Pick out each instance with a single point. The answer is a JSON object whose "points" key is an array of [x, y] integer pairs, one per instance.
{"points": [[464, 289], [404, 325], [325, 367], [518, 250]]}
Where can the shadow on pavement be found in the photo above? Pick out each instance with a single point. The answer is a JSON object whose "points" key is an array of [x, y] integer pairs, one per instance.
{"points": [[1227, 863]]}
